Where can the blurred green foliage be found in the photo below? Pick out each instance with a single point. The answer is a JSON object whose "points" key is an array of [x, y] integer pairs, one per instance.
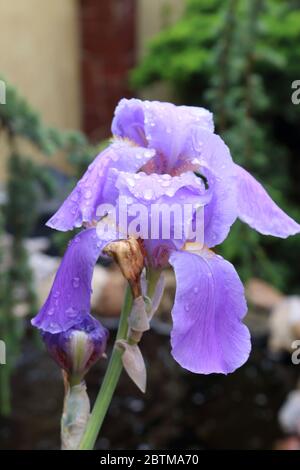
{"points": [[239, 59]]}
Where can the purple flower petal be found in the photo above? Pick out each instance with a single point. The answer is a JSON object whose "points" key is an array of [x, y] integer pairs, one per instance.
{"points": [[152, 187], [257, 209], [208, 335], [95, 187], [175, 200], [69, 300], [216, 164], [221, 212], [162, 126]]}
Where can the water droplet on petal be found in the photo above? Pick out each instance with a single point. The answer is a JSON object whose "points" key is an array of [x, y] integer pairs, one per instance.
{"points": [[51, 312], [196, 290], [148, 153], [75, 282], [88, 194], [74, 197], [187, 307], [170, 192], [148, 194], [71, 312]]}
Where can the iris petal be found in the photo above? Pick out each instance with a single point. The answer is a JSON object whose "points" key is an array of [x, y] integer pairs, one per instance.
{"points": [[208, 335], [216, 164], [95, 188], [169, 206], [69, 300], [162, 126], [257, 209]]}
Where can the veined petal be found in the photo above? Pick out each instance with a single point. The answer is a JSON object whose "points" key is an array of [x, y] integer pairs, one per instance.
{"points": [[162, 126], [257, 209], [208, 335], [95, 187], [166, 208], [216, 164], [152, 187], [69, 300], [221, 211]]}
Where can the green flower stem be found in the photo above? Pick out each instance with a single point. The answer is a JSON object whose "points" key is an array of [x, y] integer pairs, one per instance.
{"points": [[109, 383]]}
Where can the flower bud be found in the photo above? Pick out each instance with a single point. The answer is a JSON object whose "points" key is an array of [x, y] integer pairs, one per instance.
{"points": [[78, 348]]}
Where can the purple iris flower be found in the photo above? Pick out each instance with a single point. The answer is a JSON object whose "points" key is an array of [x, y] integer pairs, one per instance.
{"points": [[157, 152]]}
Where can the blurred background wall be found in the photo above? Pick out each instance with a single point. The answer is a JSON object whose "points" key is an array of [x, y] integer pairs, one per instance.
{"points": [[71, 61], [40, 55]]}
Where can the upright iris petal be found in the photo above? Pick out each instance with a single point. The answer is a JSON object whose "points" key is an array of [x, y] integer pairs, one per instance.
{"points": [[207, 334], [162, 126], [216, 164]]}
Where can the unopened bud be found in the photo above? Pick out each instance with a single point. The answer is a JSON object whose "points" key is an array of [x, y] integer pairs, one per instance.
{"points": [[133, 363], [78, 348]]}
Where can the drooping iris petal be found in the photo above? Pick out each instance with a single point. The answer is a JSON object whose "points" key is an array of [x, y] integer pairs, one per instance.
{"points": [[162, 126], [69, 301], [257, 209], [207, 334], [94, 188], [216, 164], [166, 207]]}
